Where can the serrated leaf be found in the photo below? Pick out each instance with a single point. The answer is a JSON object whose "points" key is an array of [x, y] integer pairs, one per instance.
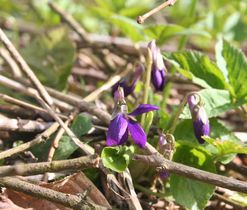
{"points": [[224, 148], [51, 57], [215, 102], [192, 194], [201, 67], [236, 64], [117, 158]]}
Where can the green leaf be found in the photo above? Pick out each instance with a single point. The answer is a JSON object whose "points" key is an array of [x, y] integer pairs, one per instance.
{"points": [[236, 65], [133, 11], [65, 148], [162, 33], [187, 192], [215, 102], [117, 158], [80, 126], [224, 148], [51, 57], [129, 27], [203, 71]]}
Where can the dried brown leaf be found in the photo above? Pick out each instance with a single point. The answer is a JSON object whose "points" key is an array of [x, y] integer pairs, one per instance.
{"points": [[77, 183]]}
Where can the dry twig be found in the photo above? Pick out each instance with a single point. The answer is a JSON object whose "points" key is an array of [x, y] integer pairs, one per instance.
{"points": [[80, 163], [24, 66], [27, 106], [9, 60], [157, 160], [39, 139], [141, 19], [20, 125]]}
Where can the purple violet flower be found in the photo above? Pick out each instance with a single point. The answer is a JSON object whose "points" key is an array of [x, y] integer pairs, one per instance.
{"points": [[128, 84], [124, 123], [158, 74], [199, 118]]}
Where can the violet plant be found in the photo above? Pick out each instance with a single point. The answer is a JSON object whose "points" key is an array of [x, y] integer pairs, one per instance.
{"points": [[189, 120]]}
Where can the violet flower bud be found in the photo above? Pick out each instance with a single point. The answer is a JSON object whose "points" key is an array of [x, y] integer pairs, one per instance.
{"points": [[158, 74], [164, 175], [199, 117], [129, 82], [166, 145]]}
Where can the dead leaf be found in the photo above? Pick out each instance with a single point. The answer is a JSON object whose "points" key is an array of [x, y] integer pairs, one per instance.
{"points": [[74, 184], [7, 204]]}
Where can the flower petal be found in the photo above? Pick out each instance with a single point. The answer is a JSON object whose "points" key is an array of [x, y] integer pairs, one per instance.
{"points": [[200, 130], [152, 46], [158, 79], [137, 133], [192, 101], [143, 108], [116, 134], [201, 125]]}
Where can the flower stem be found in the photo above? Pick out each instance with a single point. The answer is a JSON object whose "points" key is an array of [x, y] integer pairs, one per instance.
{"points": [[147, 82], [173, 122]]}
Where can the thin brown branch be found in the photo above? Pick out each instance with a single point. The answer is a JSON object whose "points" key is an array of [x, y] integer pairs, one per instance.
{"points": [[16, 111], [238, 168], [39, 139], [24, 67], [14, 85], [71, 21], [8, 59], [107, 85], [56, 140], [133, 202], [235, 205], [20, 125], [141, 19], [28, 107], [72, 201], [22, 169], [89, 72], [82, 105], [157, 160], [117, 44]]}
